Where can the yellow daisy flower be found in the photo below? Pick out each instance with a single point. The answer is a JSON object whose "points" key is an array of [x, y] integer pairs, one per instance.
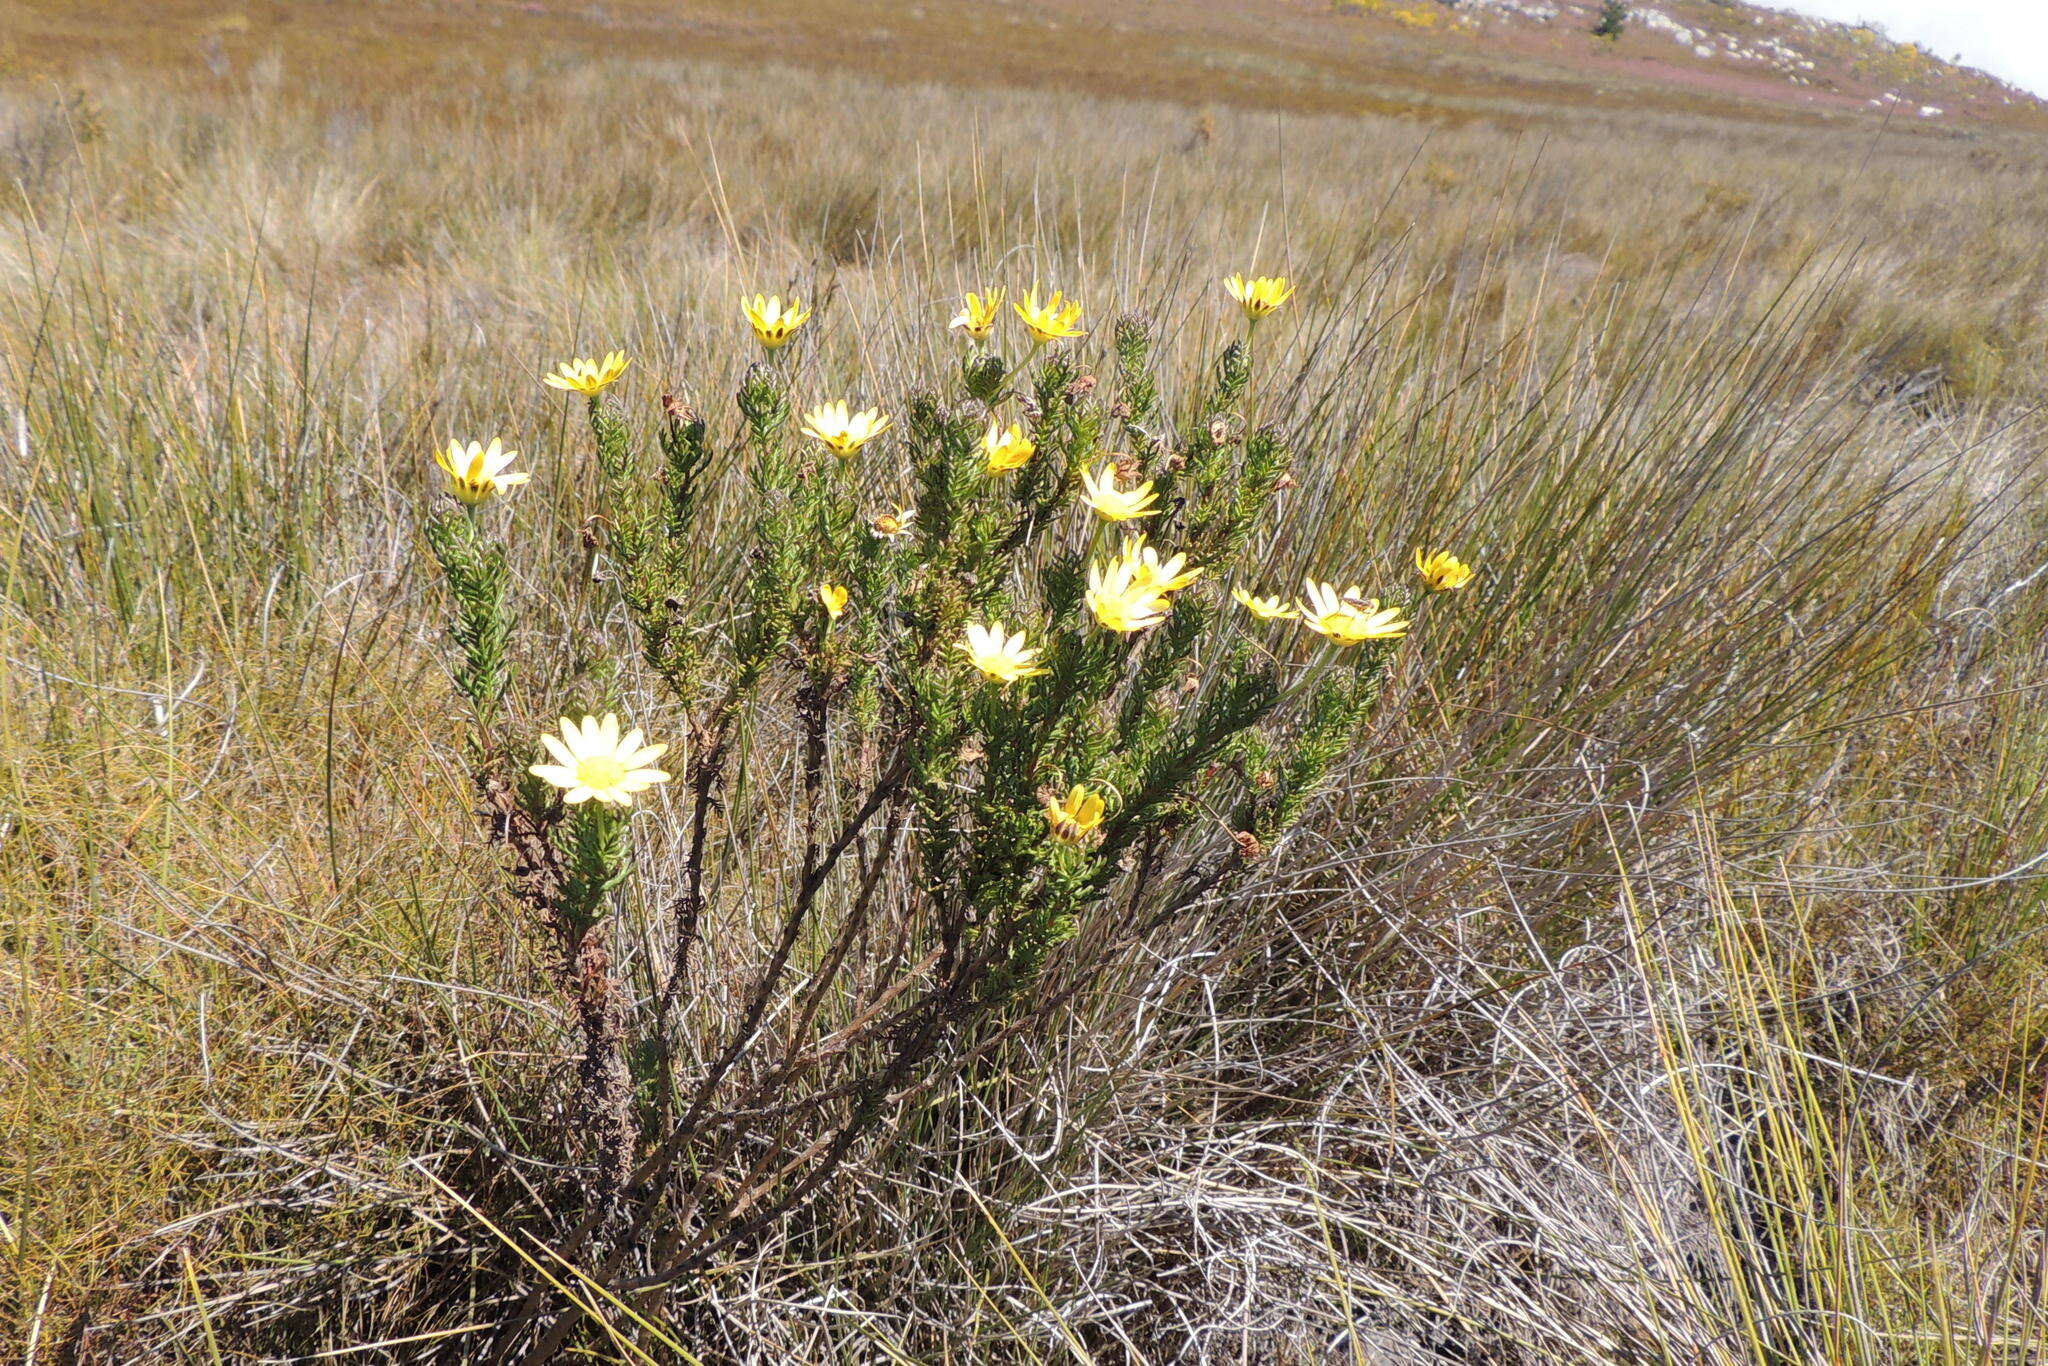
{"points": [[1261, 296], [587, 376], [1001, 657], [844, 433], [1051, 321], [1076, 816], [593, 763], [1118, 602], [834, 597], [1349, 617], [1266, 609], [894, 526], [978, 318], [1117, 505], [1006, 451], [1442, 571], [477, 472], [772, 323], [1148, 571]]}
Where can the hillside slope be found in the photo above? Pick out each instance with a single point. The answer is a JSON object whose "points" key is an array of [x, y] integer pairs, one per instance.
{"points": [[1444, 60], [1723, 47]]}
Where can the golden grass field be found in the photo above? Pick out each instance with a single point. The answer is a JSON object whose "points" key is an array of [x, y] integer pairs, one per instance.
{"points": [[1661, 980]]}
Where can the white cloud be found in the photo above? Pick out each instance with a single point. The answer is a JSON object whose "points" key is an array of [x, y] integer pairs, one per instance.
{"points": [[2008, 38]]}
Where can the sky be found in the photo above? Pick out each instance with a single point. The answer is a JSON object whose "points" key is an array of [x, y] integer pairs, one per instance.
{"points": [[2008, 38]]}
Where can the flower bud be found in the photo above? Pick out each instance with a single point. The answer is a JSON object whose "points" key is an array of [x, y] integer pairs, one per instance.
{"points": [[984, 377]]}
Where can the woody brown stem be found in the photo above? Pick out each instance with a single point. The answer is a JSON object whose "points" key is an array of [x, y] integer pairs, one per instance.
{"points": [[602, 1112], [604, 1086]]}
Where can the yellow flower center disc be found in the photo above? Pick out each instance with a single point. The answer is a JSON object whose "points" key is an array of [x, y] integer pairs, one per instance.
{"points": [[601, 774]]}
